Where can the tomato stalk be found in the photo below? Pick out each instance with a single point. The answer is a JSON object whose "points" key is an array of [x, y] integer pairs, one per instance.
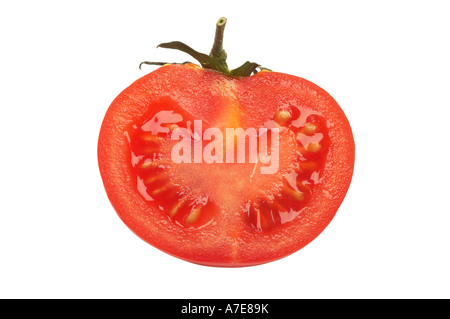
{"points": [[217, 51], [216, 60]]}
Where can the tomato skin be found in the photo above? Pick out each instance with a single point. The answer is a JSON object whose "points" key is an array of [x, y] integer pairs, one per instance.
{"points": [[234, 244]]}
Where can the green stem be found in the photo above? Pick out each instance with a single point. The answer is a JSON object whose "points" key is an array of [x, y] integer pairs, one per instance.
{"points": [[217, 58], [217, 51]]}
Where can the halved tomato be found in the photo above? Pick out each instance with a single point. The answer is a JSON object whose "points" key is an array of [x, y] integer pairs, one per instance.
{"points": [[220, 211]]}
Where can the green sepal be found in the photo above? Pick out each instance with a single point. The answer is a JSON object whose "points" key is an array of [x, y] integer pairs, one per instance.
{"points": [[245, 69], [205, 60]]}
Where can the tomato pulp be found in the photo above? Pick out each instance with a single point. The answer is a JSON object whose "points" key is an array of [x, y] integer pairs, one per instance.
{"points": [[225, 214]]}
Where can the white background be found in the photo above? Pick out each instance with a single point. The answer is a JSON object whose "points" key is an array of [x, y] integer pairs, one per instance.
{"points": [[385, 62]]}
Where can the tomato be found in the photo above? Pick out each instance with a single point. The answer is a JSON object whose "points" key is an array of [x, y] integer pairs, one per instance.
{"points": [[221, 211]]}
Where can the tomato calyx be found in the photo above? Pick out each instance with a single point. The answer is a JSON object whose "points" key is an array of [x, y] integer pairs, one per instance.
{"points": [[216, 60]]}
